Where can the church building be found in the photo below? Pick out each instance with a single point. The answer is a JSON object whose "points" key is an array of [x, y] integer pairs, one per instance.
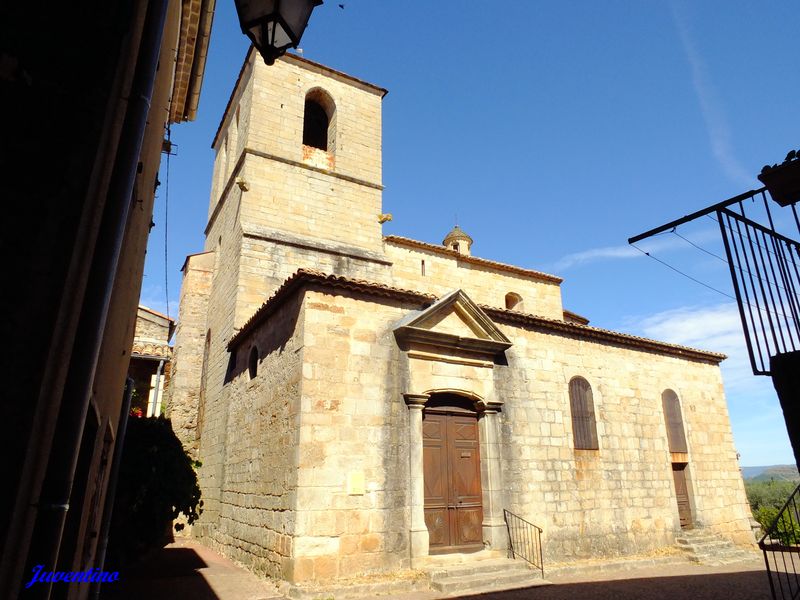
{"points": [[360, 401]]}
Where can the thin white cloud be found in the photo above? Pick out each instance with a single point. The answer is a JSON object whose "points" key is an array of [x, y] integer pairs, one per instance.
{"points": [[664, 243], [755, 413], [719, 133], [717, 328]]}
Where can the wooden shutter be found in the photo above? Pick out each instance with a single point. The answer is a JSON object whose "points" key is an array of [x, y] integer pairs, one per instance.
{"points": [[584, 427], [674, 421]]}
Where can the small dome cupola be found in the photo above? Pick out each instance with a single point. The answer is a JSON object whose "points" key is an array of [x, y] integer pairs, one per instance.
{"points": [[458, 240]]}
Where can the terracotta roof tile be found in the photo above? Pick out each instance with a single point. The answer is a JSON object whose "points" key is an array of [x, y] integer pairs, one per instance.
{"points": [[309, 276]]}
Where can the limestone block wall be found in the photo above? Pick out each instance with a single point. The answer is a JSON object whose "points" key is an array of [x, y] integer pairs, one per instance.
{"points": [[223, 240], [257, 516], [183, 393], [277, 106], [269, 258], [311, 204], [151, 327], [484, 285], [619, 499], [353, 487]]}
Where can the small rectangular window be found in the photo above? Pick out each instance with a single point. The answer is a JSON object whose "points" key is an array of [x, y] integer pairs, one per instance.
{"points": [[422, 267]]}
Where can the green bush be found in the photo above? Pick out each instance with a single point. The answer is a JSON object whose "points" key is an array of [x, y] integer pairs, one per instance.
{"points": [[766, 499], [157, 482]]}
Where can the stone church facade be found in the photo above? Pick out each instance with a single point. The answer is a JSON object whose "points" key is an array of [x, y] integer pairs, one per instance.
{"points": [[360, 401]]}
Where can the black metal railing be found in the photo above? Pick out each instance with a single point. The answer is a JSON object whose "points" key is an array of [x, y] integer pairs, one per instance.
{"points": [[524, 540], [766, 279], [765, 271], [781, 548]]}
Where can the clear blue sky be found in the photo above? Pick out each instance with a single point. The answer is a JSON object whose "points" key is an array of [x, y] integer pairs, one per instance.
{"points": [[555, 131]]}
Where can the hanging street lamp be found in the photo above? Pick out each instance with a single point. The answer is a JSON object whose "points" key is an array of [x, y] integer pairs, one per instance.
{"points": [[274, 25]]}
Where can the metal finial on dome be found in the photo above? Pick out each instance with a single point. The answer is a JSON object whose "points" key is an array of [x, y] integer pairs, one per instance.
{"points": [[458, 240]]}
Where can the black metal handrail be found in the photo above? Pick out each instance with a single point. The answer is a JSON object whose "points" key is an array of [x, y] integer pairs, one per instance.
{"points": [[781, 544], [524, 540]]}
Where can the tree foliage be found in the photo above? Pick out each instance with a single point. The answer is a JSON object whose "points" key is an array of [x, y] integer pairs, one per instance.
{"points": [[766, 500], [157, 482]]}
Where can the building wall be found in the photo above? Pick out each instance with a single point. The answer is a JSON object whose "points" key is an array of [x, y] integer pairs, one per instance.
{"points": [[485, 285], [151, 327], [183, 393], [619, 499], [223, 240], [353, 445], [257, 510]]}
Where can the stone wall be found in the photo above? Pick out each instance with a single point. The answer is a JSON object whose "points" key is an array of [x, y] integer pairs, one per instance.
{"points": [[257, 518], [619, 499], [183, 391], [151, 327], [224, 239], [484, 284], [353, 483]]}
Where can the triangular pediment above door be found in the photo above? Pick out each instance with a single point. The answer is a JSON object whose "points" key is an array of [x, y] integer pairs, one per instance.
{"points": [[456, 322]]}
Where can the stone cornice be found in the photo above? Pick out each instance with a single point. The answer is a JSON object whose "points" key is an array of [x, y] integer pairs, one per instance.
{"points": [[602, 335], [307, 277]]}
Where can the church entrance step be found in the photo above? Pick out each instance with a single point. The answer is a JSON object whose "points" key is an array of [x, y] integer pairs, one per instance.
{"points": [[491, 574], [709, 548]]}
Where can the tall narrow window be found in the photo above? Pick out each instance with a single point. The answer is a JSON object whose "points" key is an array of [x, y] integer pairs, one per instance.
{"points": [[315, 126], [581, 403], [252, 362], [319, 121], [674, 421]]}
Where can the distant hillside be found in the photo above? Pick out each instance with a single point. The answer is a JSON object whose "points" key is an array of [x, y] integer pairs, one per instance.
{"points": [[777, 472]]}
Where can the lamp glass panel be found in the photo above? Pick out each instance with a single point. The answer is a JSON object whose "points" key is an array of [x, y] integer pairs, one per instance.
{"points": [[254, 10], [255, 31], [281, 39]]}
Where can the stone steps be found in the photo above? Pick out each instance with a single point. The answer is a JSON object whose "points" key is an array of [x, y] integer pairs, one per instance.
{"points": [[705, 547], [479, 576]]}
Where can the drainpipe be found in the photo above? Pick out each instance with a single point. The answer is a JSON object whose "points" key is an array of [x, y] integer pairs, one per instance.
{"points": [[111, 492], [56, 488], [156, 407]]}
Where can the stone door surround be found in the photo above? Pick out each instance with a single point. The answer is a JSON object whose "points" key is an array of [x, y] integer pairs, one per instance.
{"points": [[494, 536]]}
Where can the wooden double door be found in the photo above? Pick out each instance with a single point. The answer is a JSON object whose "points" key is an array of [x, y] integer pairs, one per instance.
{"points": [[452, 474]]}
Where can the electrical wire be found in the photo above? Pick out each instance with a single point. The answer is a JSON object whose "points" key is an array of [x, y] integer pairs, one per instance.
{"points": [[679, 272], [712, 288]]}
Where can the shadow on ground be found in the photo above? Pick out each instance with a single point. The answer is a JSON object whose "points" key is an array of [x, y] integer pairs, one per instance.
{"points": [[747, 585], [171, 574]]}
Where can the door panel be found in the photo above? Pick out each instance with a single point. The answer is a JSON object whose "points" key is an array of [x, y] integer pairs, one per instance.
{"points": [[682, 495], [452, 475]]}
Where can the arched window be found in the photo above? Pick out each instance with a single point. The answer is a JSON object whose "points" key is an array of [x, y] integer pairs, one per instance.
{"points": [[674, 421], [513, 301], [252, 362], [581, 403], [319, 124]]}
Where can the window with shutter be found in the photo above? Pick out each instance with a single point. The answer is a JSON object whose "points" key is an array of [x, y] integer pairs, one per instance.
{"points": [[674, 421], [584, 427]]}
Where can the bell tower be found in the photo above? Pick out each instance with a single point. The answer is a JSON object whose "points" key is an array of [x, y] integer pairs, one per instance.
{"points": [[297, 178]]}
